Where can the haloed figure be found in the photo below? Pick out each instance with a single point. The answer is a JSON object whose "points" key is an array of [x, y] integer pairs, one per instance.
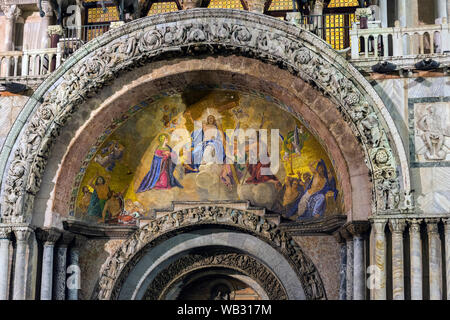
{"points": [[160, 175]]}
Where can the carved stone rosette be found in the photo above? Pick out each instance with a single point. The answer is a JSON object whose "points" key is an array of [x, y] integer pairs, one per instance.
{"points": [[217, 31], [122, 261]]}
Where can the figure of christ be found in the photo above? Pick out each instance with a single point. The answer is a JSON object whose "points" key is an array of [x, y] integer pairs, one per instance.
{"points": [[206, 143], [100, 195], [160, 175]]}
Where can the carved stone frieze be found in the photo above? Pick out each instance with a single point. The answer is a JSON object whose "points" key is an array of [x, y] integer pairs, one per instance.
{"points": [[246, 264], [117, 267], [195, 32]]}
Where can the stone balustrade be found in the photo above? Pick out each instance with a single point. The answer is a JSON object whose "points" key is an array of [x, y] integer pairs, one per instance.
{"points": [[400, 41], [33, 62]]}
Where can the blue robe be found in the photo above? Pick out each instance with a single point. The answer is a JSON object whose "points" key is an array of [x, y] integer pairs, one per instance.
{"points": [[317, 203], [153, 175], [198, 147]]}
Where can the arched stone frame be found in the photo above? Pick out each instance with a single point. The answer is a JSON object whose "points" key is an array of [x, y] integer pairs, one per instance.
{"points": [[216, 262], [25, 152], [253, 234]]}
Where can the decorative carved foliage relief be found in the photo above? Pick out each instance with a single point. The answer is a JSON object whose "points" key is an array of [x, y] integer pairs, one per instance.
{"points": [[195, 32]]}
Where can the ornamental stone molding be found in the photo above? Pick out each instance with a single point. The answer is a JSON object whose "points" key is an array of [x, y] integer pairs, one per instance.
{"points": [[245, 264], [119, 265], [199, 32]]}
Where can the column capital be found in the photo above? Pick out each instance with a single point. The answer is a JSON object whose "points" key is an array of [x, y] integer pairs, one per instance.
{"points": [[22, 233], [339, 237], [379, 225], [446, 222], [65, 239], [255, 5], [357, 228], [432, 225], [397, 225], [414, 225], [5, 232], [11, 11], [48, 235]]}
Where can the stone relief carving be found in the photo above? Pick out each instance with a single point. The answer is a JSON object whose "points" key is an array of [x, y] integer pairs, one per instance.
{"points": [[179, 269], [432, 122], [120, 263], [189, 36]]}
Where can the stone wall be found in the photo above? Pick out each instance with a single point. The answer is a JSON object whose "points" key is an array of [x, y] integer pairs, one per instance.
{"points": [[324, 253], [10, 107], [407, 100], [92, 256]]}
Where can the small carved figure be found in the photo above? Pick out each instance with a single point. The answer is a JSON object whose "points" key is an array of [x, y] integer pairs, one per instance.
{"points": [[432, 134]]}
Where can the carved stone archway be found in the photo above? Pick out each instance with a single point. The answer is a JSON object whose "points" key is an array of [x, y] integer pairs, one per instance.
{"points": [[193, 32], [118, 267], [207, 259]]}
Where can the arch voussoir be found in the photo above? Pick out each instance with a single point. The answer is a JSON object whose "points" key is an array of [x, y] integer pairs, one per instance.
{"points": [[200, 32]]}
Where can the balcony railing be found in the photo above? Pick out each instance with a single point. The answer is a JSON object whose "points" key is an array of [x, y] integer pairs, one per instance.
{"points": [[400, 41], [76, 36], [34, 62]]}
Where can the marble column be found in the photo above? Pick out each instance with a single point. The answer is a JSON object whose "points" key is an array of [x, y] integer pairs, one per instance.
{"points": [[440, 8], [358, 229], [415, 250], [49, 237], [397, 227], [12, 12], [349, 272], [380, 258], [45, 23], [383, 13], [342, 265], [73, 281], [20, 264], [59, 284], [447, 254], [4, 261], [434, 256]]}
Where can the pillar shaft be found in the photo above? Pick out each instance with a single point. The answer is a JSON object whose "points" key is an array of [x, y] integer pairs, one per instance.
{"points": [[383, 13], [415, 244], [73, 281], [349, 284], [12, 12], [59, 285], [397, 227], [343, 272], [447, 255], [380, 259], [358, 268], [441, 8], [434, 247], [20, 270], [4, 263], [47, 271]]}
